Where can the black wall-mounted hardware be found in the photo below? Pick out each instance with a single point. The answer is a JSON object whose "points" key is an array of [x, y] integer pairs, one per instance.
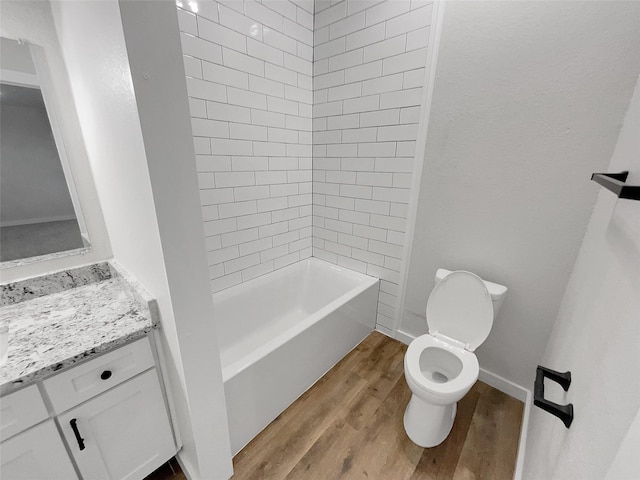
{"points": [[76, 432], [563, 412], [615, 183], [106, 375]]}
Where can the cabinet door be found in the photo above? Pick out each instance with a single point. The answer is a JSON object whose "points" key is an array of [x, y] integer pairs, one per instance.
{"points": [[21, 410], [37, 454], [123, 433]]}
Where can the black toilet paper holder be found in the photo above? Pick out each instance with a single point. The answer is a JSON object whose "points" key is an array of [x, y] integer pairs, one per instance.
{"points": [[563, 412], [615, 182]]}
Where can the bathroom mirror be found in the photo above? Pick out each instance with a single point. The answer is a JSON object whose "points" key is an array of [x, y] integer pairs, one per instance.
{"points": [[40, 215]]}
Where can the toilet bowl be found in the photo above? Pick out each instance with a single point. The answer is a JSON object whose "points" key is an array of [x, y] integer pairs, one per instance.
{"points": [[440, 366]]}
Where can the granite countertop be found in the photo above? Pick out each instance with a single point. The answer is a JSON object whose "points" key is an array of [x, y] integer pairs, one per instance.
{"points": [[61, 319]]}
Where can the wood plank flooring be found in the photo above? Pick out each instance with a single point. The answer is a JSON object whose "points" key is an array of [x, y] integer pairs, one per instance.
{"points": [[349, 426]]}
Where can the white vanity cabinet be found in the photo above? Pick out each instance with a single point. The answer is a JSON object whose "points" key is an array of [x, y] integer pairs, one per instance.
{"points": [[106, 416], [123, 433], [21, 410], [28, 451], [37, 454], [75, 385]]}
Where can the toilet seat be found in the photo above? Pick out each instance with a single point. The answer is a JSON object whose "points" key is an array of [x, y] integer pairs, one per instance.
{"points": [[460, 308], [460, 316], [441, 391]]}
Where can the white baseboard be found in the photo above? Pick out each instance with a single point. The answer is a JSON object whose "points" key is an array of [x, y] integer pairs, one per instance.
{"points": [[403, 337], [505, 386], [522, 445], [383, 330]]}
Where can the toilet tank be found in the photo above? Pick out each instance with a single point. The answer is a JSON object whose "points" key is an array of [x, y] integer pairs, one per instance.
{"points": [[498, 292]]}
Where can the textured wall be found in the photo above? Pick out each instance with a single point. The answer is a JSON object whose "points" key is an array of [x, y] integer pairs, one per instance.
{"points": [[596, 337], [33, 21], [126, 73], [248, 67], [369, 61], [528, 101]]}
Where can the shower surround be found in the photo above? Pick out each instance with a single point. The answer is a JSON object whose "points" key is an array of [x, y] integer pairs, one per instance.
{"points": [[248, 70], [369, 62], [284, 93]]}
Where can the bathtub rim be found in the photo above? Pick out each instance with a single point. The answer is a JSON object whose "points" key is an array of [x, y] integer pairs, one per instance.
{"points": [[234, 368], [225, 294]]}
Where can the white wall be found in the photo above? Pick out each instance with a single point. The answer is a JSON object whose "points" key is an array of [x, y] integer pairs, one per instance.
{"points": [[33, 22], [528, 100], [626, 464], [597, 338], [16, 57], [369, 71], [157, 68], [248, 68], [143, 162]]}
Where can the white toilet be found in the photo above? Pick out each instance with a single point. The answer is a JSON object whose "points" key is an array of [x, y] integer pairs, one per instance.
{"points": [[440, 367]]}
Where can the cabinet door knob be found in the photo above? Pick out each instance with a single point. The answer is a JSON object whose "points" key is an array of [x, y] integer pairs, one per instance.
{"points": [[106, 375]]}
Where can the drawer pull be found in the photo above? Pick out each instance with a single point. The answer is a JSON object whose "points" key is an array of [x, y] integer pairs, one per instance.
{"points": [[106, 375], [76, 432]]}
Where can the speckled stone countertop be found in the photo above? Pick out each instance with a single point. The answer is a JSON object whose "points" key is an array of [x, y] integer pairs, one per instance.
{"points": [[61, 319]]}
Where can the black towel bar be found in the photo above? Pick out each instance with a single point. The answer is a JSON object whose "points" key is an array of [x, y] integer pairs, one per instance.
{"points": [[615, 183], [563, 412]]}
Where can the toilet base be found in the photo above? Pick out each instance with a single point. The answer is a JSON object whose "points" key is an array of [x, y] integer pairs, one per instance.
{"points": [[426, 424]]}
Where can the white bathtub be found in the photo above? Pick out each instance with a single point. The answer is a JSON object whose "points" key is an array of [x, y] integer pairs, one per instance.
{"points": [[281, 332]]}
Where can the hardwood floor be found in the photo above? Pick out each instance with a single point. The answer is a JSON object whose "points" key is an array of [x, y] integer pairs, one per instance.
{"points": [[349, 426]]}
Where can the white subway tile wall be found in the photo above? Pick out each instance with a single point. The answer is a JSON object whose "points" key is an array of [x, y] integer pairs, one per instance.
{"points": [[249, 81], [305, 118], [369, 62]]}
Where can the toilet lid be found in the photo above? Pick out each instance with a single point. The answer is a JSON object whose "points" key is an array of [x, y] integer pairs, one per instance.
{"points": [[460, 307]]}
